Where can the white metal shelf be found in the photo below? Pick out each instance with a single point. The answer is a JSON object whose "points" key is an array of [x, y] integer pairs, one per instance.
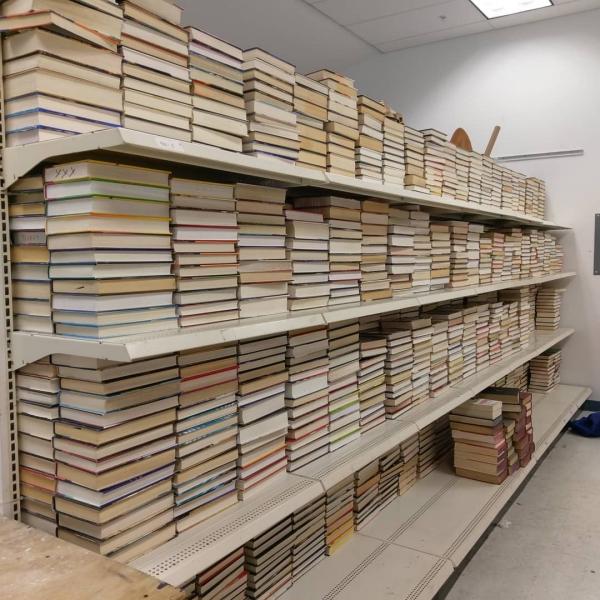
{"points": [[198, 548], [417, 527], [27, 347], [19, 160]]}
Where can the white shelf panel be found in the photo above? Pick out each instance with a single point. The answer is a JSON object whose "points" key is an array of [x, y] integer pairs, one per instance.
{"points": [[27, 347], [20, 159]]}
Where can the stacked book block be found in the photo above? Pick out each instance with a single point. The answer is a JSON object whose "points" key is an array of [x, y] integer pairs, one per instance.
{"points": [[474, 253], [497, 256], [544, 372], [394, 169], [441, 252], [421, 277], [263, 422], [269, 97], [434, 444], [517, 378], [487, 184], [438, 372], [390, 467], [374, 282], [110, 249], [409, 454], [421, 334], [482, 333], [547, 308], [495, 331], [307, 396], [398, 369], [459, 256], [453, 318], [476, 192], [219, 111], [310, 105], [414, 158], [435, 160], [205, 260], [449, 176], [39, 65], [371, 380], [225, 580], [485, 258], [264, 269], [535, 197], [367, 502], [400, 250], [207, 429], [339, 515], [155, 51], [469, 341], [368, 153], [115, 454], [463, 164], [309, 537]]}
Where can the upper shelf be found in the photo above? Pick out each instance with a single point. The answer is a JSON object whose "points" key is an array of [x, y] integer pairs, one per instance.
{"points": [[27, 347], [19, 160]]}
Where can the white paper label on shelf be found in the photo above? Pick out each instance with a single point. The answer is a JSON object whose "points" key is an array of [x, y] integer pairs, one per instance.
{"points": [[168, 144]]}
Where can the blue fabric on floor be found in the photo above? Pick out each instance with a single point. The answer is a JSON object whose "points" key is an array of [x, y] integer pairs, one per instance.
{"points": [[587, 426]]}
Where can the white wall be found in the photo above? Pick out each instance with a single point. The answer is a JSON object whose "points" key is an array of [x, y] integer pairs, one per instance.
{"points": [[541, 83]]}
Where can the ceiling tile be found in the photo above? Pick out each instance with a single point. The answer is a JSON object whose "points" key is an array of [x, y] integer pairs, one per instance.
{"points": [[561, 7], [454, 13]]}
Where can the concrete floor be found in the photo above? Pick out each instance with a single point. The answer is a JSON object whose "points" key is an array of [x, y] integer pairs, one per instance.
{"points": [[547, 545]]}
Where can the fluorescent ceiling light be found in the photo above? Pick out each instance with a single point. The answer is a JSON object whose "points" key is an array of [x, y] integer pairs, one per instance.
{"points": [[500, 8]]}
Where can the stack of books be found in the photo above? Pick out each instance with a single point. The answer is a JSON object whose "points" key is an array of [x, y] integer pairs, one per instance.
{"points": [[435, 442], [409, 454], [219, 112], [371, 380], [421, 334], [414, 159], [459, 257], [497, 313], [421, 277], [263, 267], [510, 191], [512, 458], [369, 146], [155, 50], [487, 185], [269, 561], [438, 373], [517, 378], [522, 185], [339, 514], [475, 178], [449, 176], [206, 428], [262, 418], [39, 65], [453, 319], [367, 502], [394, 169], [480, 449], [482, 332], [435, 160], [440, 254], [342, 121], [269, 97], [463, 163], [115, 454], [307, 249], [390, 467], [37, 389], [374, 282], [225, 580], [519, 311], [473, 253], [485, 258], [31, 287], [344, 366], [547, 308], [309, 537], [496, 197], [526, 254], [205, 261], [512, 250], [469, 340], [400, 250], [544, 372], [535, 197], [307, 396], [310, 105], [110, 255], [398, 369], [497, 256]]}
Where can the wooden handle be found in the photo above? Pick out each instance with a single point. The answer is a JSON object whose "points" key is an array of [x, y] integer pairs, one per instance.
{"points": [[492, 142]]}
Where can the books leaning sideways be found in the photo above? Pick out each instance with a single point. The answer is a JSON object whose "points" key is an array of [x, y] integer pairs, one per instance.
{"points": [[48, 93], [110, 256], [225, 580]]}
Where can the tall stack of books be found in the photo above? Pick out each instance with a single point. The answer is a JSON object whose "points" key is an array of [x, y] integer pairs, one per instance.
{"points": [[219, 112], [390, 467], [526, 254], [263, 267], [441, 249], [435, 160], [421, 333], [339, 514], [310, 105], [512, 458], [37, 388], [497, 256], [31, 287], [512, 248], [342, 121], [109, 241], [374, 282], [307, 396], [421, 277], [487, 185], [463, 163], [519, 309], [262, 418], [438, 374], [371, 380], [434, 444], [414, 158], [495, 331], [400, 250], [204, 236], [475, 177], [309, 537], [544, 372], [547, 308], [459, 257], [367, 502], [509, 192], [469, 340], [155, 51], [485, 257], [269, 97], [307, 249], [115, 454], [398, 369], [394, 168], [454, 319], [517, 378], [482, 332], [39, 65], [473, 252], [409, 453], [225, 579], [496, 197], [369, 146], [480, 449], [207, 429], [450, 176], [535, 197], [344, 366]]}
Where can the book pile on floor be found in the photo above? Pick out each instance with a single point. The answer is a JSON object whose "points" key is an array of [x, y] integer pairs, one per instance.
{"points": [[219, 112], [269, 97], [263, 267], [463, 163], [307, 396], [414, 158], [205, 260], [367, 502], [409, 453], [544, 371], [390, 467], [344, 366], [480, 450], [38, 66], [368, 154], [547, 308], [115, 454], [434, 444], [309, 537], [31, 287], [485, 257], [225, 580], [400, 250], [206, 429], [109, 240], [393, 148], [421, 335], [469, 340], [261, 412], [475, 178], [342, 121], [435, 160], [421, 277], [371, 380], [339, 514], [441, 251], [398, 369], [374, 282], [449, 175], [310, 105], [155, 50], [459, 257]]}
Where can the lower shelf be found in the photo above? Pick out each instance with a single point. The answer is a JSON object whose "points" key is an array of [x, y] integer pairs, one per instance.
{"points": [[412, 547]]}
